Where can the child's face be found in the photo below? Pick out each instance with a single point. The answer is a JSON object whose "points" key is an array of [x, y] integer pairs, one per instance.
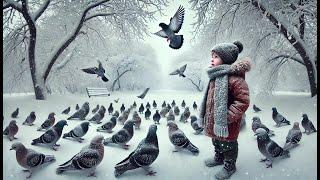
{"points": [[216, 60]]}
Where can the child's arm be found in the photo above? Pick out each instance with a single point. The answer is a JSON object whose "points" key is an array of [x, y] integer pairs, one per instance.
{"points": [[240, 91]]}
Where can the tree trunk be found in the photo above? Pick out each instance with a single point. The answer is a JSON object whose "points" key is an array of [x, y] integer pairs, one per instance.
{"points": [[119, 76]]}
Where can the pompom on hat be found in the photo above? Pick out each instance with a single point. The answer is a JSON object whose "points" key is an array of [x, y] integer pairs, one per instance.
{"points": [[228, 52]]}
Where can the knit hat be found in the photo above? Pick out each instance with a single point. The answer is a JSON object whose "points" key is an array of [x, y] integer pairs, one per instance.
{"points": [[228, 52]]}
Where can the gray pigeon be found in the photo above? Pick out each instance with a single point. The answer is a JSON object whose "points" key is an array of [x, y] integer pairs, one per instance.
{"points": [[179, 139], [116, 114], [78, 132], [170, 116], [110, 109], [169, 31], [148, 105], [154, 104], [256, 124], [164, 111], [137, 120], [30, 119], [278, 118], [30, 159], [87, 159], [134, 105], [123, 136], [81, 113], [269, 148], [95, 109], [307, 125], [255, 108], [293, 137], [109, 125], [156, 117], [124, 117], [66, 111], [141, 96], [168, 106], [179, 71], [173, 104], [143, 156], [176, 110], [98, 71], [15, 113], [77, 107], [195, 106], [185, 115], [11, 130], [98, 116], [147, 114], [48, 122], [183, 104], [122, 108], [164, 104], [195, 126], [51, 136], [141, 108]]}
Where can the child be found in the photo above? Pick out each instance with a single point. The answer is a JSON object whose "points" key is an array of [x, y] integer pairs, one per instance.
{"points": [[225, 101]]}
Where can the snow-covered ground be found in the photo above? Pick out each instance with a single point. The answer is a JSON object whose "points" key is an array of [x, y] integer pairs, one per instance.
{"points": [[182, 165]]}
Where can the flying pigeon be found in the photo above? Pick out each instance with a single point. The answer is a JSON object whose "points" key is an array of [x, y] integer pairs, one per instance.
{"points": [[98, 71], [95, 109], [51, 136], [278, 118], [144, 93], [48, 122], [78, 132], [87, 159], [156, 117], [15, 113], [169, 31], [81, 113], [293, 137], [137, 120], [256, 124], [116, 100], [176, 110], [122, 108], [122, 136], [11, 130], [307, 125], [30, 119], [179, 71], [255, 108], [147, 113], [109, 125], [195, 126], [66, 111], [185, 115], [143, 156], [30, 159]]}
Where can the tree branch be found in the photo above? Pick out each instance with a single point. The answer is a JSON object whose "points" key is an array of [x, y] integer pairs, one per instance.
{"points": [[41, 10], [288, 57]]}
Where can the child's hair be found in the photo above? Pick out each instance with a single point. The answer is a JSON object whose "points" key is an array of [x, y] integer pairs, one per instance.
{"points": [[228, 52]]}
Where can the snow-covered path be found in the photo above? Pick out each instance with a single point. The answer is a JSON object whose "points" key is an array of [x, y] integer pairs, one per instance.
{"points": [[181, 165]]}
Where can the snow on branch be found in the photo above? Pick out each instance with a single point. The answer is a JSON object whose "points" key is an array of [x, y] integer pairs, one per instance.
{"points": [[40, 11], [13, 4], [288, 57]]}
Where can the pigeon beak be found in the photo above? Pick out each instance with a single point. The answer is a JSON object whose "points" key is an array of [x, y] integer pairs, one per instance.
{"points": [[11, 149]]}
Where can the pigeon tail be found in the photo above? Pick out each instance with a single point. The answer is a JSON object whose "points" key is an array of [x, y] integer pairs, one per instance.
{"points": [[107, 141], [192, 148], [105, 79], [123, 167], [49, 158], [176, 42], [39, 129], [66, 135], [36, 141], [68, 167]]}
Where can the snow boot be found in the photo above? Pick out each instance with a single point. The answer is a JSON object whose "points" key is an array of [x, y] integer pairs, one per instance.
{"points": [[228, 169], [215, 161]]}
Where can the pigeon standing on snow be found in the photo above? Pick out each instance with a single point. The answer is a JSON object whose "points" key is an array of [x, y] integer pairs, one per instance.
{"points": [[164, 111], [141, 96], [195, 106], [170, 116], [95, 109], [51, 136], [307, 125], [30, 119], [110, 109], [147, 114], [256, 124], [141, 108], [81, 113], [185, 115], [124, 117], [278, 118], [87, 159], [179, 71], [116, 114], [109, 125], [270, 149], [179, 139], [11, 130], [168, 107], [66, 111], [148, 105], [176, 111], [99, 71], [15, 113], [154, 104], [137, 120], [48, 122], [183, 104], [77, 107], [122, 108], [122, 136], [164, 104], [156, 117], [134, 105], [173, 104], [30, 159], [98, 116], [169, 31], [78, 132], [255, 108], [195, 126], [293, 137], [143, 156]]}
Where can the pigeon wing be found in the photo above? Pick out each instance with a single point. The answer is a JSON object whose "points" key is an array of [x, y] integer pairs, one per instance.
{"points": [[90, 70], [161, 33], [177, 20], [175, 72], [183, 68], [101, 67]]}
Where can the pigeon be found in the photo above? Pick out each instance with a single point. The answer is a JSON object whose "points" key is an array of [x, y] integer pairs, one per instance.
{"points": [[98, 116], [148, 105], [77, 107], [141, 96], [137, 120], [270, 149], [95, 109], [30, 159], [98, 71], [66, 111], [185, 115], [143, 156], [173, 104], [156, 117], [30, 119], [183, 104], [11, 130], [134, 105], [141, 108], [195, 106], [164, 104], [81, 113], [124, 117], [116, 100], [170, 116], [109, 125], [278, 118], [122, 136], [179, 71], [110, 109], [48, 123], [78, 132], [147, 113], [51, 136], [195, 126], [168, 107], [255, 108], [307, 125], [122, 108], [116, 114], [176, 110], [87, 159], [293, 137], [169, 31], [154, 104], [15, 113], [256, 124], [164, 111], [179, 139]]}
